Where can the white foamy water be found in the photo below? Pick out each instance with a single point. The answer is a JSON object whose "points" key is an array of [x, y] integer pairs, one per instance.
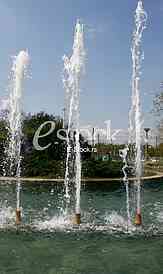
{"points": [[118, 222], [7, 216], [160, 217], [55, 223]]}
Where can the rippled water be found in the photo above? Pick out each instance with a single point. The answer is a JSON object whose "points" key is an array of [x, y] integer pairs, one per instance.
{"points": [[47, 242]]}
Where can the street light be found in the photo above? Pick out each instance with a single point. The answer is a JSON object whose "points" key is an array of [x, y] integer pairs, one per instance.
{"points": [[147, 130]]}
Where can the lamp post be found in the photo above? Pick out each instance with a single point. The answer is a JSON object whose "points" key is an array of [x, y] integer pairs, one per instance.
{"points": [[64, 117], [93, 137], [147, 130]]}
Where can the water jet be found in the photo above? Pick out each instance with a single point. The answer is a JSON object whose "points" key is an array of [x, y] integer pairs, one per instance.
{"points": [[14, 121], [135, 119], [73, 68]]}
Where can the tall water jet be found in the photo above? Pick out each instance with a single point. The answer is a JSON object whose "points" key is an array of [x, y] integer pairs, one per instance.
{"points": [[73, 69], [18, 73], [135, 112]]}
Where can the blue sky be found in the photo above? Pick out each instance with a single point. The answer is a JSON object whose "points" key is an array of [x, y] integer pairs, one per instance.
{"points": [[45, 28]]}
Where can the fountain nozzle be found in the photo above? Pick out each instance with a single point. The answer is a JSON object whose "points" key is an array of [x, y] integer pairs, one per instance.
{"points": [[138, 219], [18, 216], [77, 219]]}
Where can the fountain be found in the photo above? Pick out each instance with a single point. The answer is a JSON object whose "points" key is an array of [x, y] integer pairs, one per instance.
{"points": [[13, 151], [135, 127], [106, 241], [73, 68]]}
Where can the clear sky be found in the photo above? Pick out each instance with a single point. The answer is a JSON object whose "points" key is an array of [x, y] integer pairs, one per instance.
{"points": [[45, 28]]}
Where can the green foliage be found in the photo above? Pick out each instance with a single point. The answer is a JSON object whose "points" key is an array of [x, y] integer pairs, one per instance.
{"points": [[102, 169], [50, 162], [110, 149], [155, 151]]}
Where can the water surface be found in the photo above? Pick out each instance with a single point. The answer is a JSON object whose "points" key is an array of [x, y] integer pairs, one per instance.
{"points": [[47, 243]]}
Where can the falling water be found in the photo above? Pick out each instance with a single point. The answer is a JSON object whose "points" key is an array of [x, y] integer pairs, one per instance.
{"points": [[135, 112], [18, 72], [123, 154], [73, 68]]}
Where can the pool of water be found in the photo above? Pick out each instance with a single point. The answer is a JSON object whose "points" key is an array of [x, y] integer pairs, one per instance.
{"points": [[47, 242]]}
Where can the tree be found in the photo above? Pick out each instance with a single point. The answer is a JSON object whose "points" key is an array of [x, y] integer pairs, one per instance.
{"points": [[39, 163]]}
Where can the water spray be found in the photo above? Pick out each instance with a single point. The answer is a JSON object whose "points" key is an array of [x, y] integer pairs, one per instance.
{"points": [[123, 154], [73, 68], [13, 151], [135, 113]]}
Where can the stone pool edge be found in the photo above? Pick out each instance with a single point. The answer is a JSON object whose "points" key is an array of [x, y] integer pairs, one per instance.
{"points": [[84, 180]]}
